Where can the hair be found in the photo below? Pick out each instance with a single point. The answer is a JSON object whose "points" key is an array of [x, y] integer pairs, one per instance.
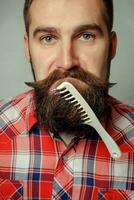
{"points": [[108, 15], [26, 15]]}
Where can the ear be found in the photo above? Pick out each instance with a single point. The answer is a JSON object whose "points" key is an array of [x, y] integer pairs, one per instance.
{"points": [[26, 47], [113, 40]]}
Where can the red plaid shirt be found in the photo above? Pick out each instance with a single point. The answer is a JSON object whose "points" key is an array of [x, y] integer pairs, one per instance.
{"points": [[35, 164]]}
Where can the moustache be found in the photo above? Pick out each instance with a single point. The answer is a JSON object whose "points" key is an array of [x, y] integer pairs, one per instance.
{"points": [[76, 73]]}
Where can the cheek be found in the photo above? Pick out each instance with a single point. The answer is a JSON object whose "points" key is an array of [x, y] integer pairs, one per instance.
{"points": [[95, 60], [42, 62]]}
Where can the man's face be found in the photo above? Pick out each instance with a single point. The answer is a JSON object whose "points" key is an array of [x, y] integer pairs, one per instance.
{"points": [[68, 39], [68, 33]]}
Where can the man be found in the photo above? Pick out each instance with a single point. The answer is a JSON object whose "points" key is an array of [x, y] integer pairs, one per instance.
{"points": [[45, 150]]}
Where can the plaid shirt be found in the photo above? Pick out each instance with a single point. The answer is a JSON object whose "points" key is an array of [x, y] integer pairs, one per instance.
{"points": [[35, 164]]}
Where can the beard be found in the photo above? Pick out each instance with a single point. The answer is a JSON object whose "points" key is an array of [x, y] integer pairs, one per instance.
{"points": [[56, 115]]}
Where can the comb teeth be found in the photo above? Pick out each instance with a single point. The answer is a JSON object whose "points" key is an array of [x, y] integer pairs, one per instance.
{"points": [[67, 96]]}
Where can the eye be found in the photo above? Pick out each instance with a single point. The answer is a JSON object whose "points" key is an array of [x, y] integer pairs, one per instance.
{"points": [[87, 36], [48, 39]]}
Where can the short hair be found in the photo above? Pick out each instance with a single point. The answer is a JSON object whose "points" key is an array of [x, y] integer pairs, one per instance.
{"points": [[26, 15], [108, 15]]}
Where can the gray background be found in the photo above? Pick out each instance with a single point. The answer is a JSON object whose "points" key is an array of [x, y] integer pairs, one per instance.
{"points": [[14, 69]]}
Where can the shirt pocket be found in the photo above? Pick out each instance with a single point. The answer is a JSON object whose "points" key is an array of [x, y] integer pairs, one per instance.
{"points": [[114, 194], [11, 190]]}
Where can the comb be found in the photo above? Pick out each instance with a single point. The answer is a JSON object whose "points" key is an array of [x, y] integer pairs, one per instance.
{"points": [[70, 94]]}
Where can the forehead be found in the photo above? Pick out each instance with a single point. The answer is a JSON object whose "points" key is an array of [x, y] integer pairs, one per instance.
{"points": [[62, 12]]}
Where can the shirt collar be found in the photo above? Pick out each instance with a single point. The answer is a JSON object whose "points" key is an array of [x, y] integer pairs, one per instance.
{"points": [[30, 114], [23, 107]]}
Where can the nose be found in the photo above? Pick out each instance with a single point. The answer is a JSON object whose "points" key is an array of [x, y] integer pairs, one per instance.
{"points": [[67, 58]]}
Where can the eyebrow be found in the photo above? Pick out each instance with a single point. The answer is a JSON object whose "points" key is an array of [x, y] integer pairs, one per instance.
{"points": [[93, 27], [43, 30], [78, 29]]}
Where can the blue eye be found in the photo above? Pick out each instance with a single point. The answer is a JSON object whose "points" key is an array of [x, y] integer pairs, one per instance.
{"points": [[87, 36], [48, 39]]}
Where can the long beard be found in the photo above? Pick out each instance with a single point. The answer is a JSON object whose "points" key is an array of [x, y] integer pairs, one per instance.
{"points": [[57, 115]]}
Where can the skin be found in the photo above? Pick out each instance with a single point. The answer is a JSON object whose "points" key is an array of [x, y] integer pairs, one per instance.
{"points": [[64, 34]]}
